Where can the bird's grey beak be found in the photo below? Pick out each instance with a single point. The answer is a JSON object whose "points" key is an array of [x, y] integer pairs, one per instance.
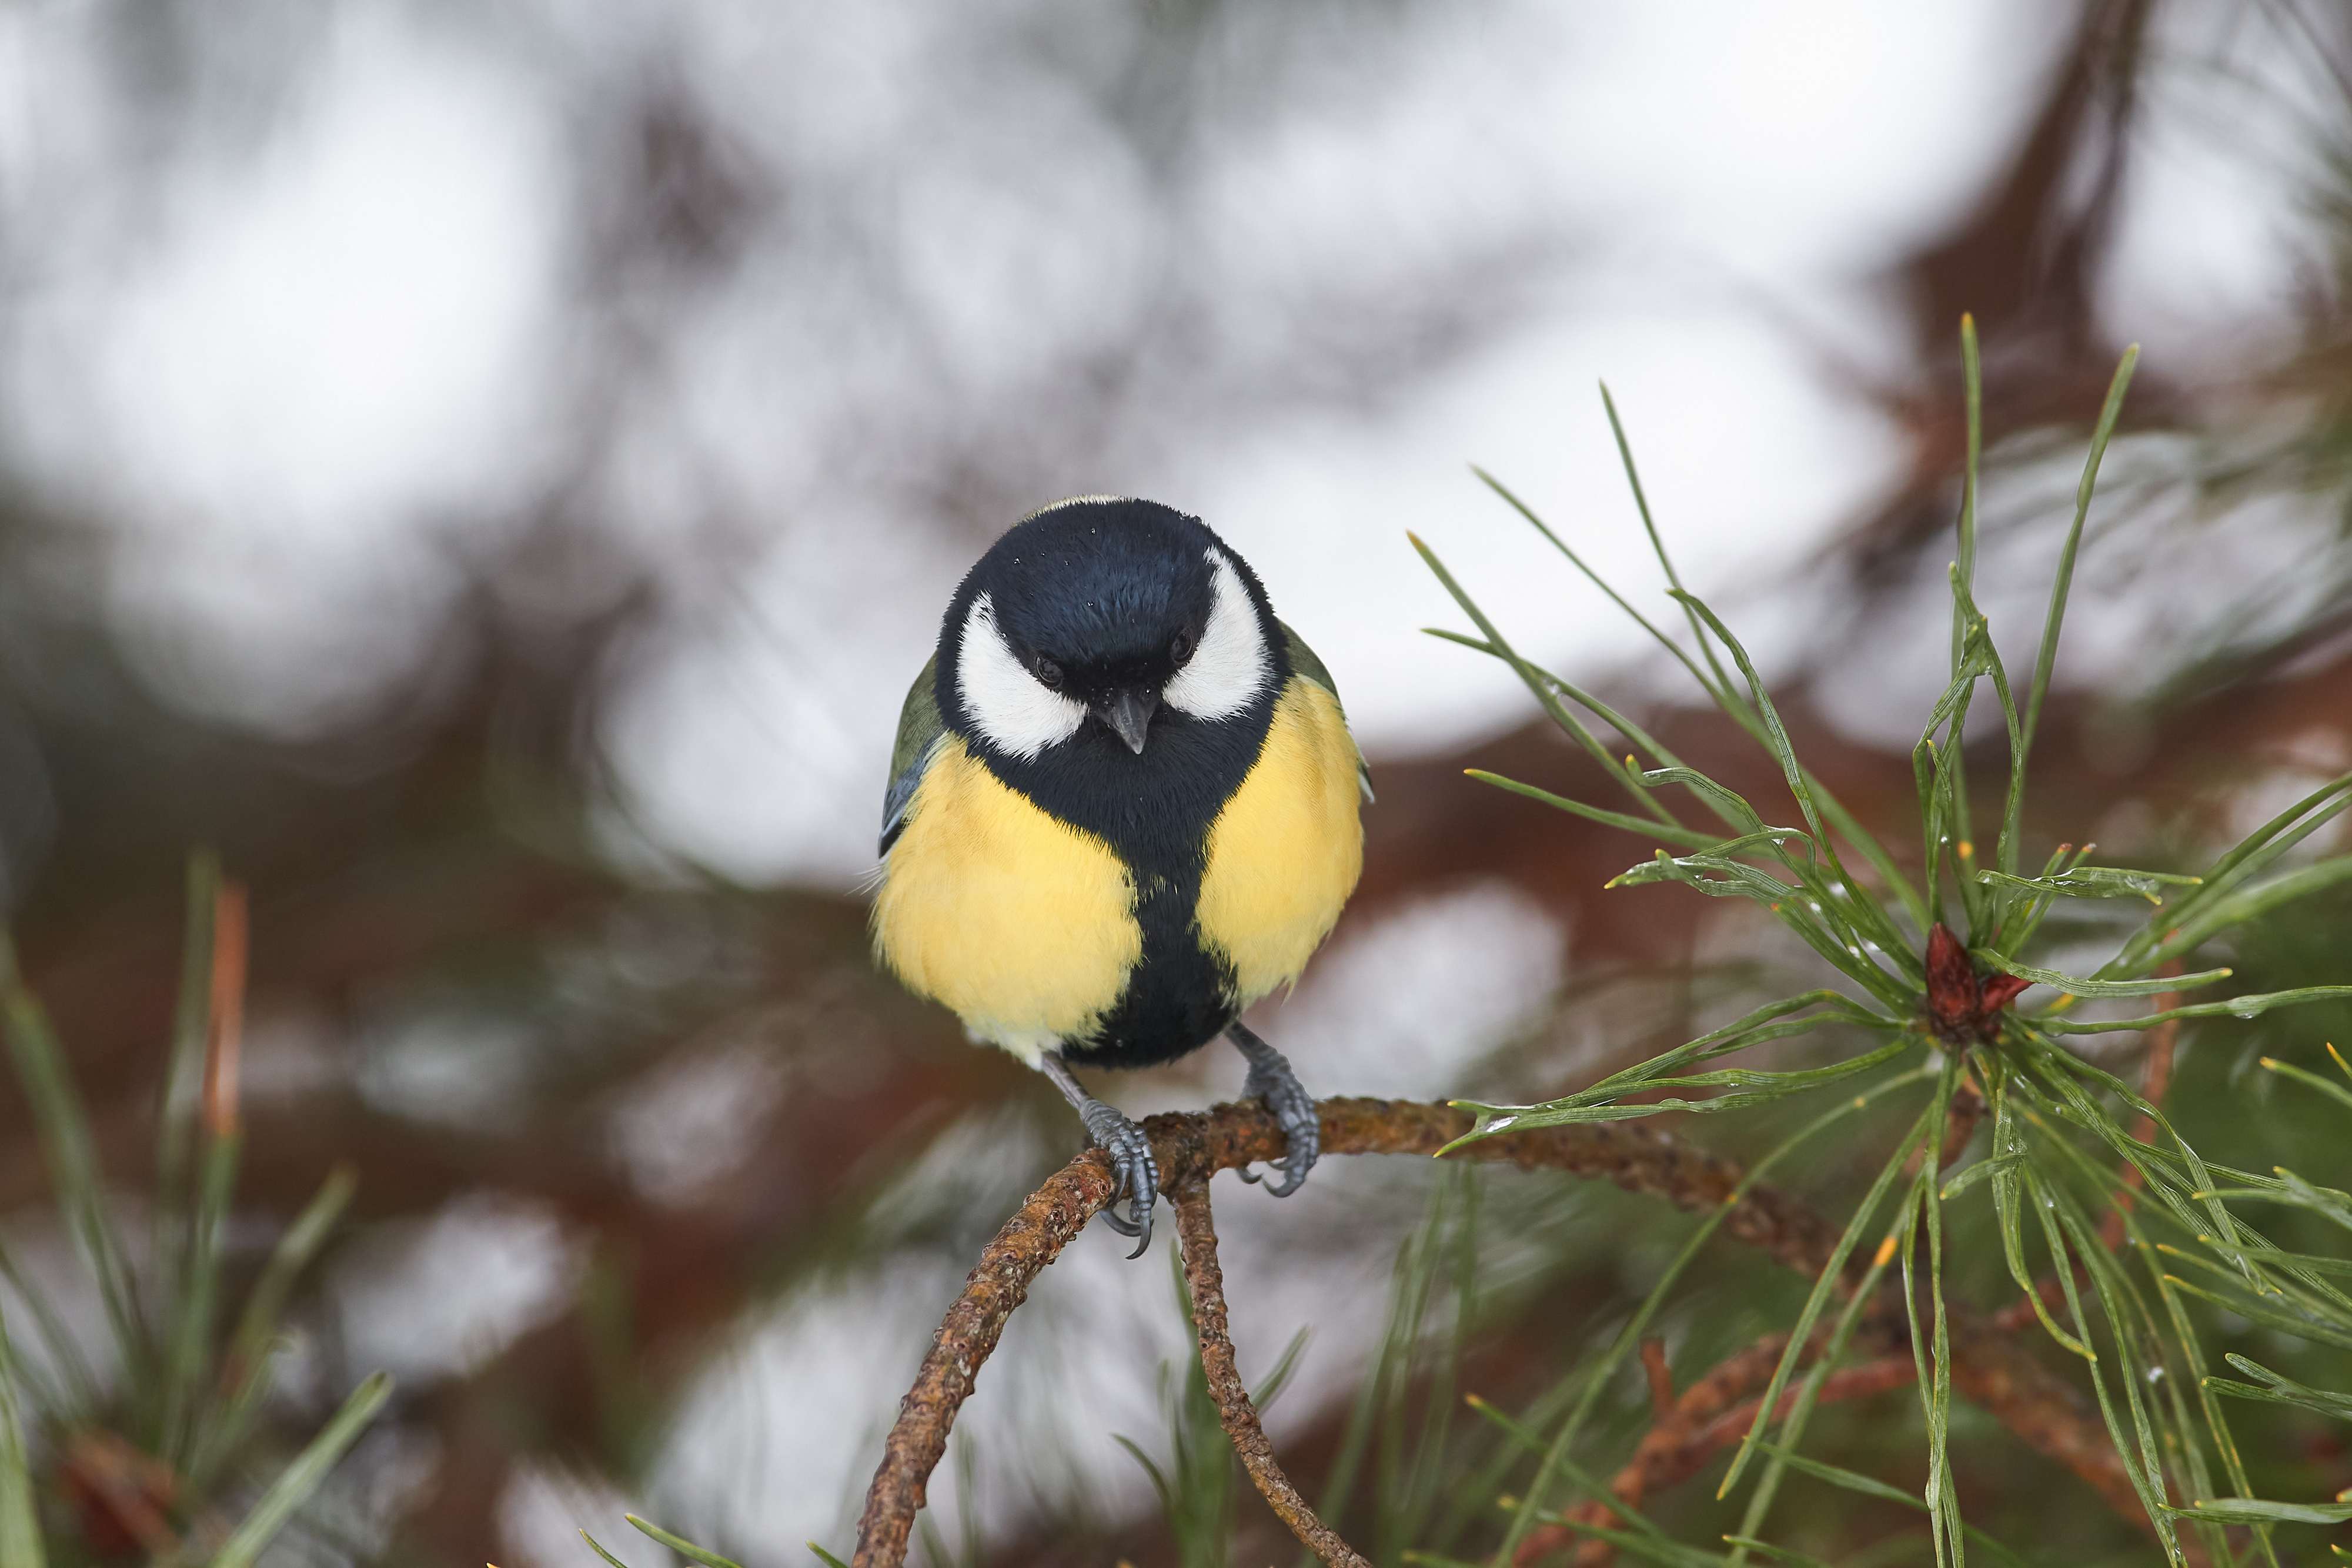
{"points": [[1129, 713]]}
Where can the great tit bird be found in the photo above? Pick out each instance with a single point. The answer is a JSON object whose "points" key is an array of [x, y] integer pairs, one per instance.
{"points": [[1122, 808]]}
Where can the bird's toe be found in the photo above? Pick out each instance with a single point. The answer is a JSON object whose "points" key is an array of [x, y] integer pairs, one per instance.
{"points": [[1279, 1090], [1137, 1171]]}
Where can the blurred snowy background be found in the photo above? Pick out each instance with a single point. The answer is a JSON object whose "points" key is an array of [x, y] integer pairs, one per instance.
{"points": [[493, 470]]}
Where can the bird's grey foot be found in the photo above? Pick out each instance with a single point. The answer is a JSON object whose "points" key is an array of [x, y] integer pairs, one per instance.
{"points": [[1273, 1083], [1130, 1156]]}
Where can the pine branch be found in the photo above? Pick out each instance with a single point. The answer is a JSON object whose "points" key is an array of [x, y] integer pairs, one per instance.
{"points": [[1197, 1231], [1191, 1149], [1988, 1367]]}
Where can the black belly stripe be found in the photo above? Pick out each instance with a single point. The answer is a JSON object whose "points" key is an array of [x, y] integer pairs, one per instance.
{"points": [[1179, 998], [1155, 812]]}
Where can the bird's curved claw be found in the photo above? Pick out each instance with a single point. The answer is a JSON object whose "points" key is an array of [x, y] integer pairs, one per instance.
{"points": [[1137, 1173], [1273, 1083]]}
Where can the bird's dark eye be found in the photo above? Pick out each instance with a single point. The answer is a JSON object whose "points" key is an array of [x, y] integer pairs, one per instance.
{"points": [[1049, 672], [1181, 648]]}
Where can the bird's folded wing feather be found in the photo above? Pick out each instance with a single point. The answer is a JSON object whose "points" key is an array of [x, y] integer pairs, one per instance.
{"points": [[921, 730], [1303, 662]]}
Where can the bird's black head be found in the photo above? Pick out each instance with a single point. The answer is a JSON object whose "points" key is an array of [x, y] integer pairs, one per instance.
{"points": [[1105, 622]]}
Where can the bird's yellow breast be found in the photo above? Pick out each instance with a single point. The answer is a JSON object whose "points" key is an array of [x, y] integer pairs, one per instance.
{"points": [[1284, 854], [1021, 923]]}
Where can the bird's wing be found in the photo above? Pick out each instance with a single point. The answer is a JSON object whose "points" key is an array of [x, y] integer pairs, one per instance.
{"points": [[1303, 662], [921, 730]]}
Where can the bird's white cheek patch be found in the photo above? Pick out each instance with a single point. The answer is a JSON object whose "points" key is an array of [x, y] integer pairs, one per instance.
{"points": [[1017, 713], [1231, 666]]}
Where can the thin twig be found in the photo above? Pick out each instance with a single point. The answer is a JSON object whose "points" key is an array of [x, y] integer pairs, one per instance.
{"points": [[224, 1031], [121, 1495], [2155, 1078], [1717, 1390], [2020, 1313], [1717, 1409], [1196, 1230], [1960, 1123], [1993, 1372], [1888, 1372], [1662, 1378], [1702, 1423]]}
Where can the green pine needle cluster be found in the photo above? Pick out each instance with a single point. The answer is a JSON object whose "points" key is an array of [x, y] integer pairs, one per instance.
{"points": [[2060, 1132], [187, 1397]]}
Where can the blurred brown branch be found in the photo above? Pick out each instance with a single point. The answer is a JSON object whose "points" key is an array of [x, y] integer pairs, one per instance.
{"points": [[1707, 1418], [1988, 1369], [2155, 1078]]}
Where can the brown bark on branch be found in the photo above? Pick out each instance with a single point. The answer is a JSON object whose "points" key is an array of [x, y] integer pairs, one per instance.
{"points": [[1030, 1239], [1192, 1147], [1196, 1230]]}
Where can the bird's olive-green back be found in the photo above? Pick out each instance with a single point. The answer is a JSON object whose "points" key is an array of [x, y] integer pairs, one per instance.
{"points": [[921, 730], [1304, 662]]}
